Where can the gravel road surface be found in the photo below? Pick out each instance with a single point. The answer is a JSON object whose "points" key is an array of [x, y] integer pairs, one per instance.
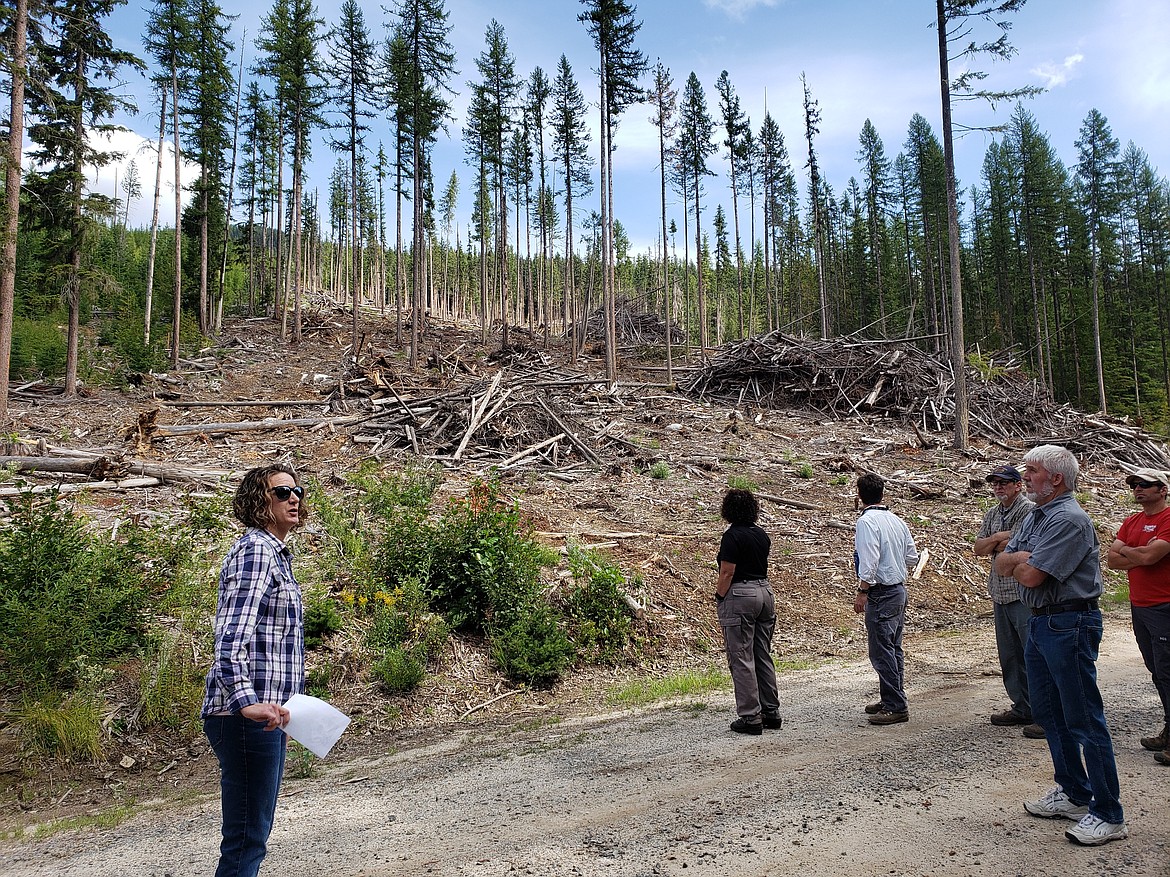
{"points": [[668, 791]]}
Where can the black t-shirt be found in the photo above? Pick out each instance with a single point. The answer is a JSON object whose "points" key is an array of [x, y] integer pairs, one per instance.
{"points": [[746, 547]]}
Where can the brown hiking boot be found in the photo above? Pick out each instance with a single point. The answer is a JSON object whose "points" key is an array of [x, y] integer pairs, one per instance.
{"points": [[885, 717], [1033, 732], [873, 708], [1159, 742], [1162, 757]]}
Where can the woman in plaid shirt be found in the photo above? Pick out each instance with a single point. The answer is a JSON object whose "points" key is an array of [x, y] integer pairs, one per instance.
{"points": [[259, 664]]}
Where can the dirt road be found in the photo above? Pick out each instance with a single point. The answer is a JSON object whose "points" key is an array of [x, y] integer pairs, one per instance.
{"points": [[669, 792]]}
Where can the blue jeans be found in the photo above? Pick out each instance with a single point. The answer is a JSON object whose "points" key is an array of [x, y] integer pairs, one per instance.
{"points": [[885, 619], [1011, 636], [251, 764], [1062, 681]]}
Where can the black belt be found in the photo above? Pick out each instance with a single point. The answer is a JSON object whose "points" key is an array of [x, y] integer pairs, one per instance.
{"points": [[1070, 606]]}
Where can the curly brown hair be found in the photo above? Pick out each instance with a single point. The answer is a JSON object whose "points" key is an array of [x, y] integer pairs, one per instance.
{"points": [[250, 505], [740, 507]]}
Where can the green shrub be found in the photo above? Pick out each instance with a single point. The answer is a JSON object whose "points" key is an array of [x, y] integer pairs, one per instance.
{"points": [[479, 561], [38, 349], [65, 593], [598, 616], [322, 618], [660, 471], [387, 494], [318, 680], [534, 648], [69, 729], [400, 670]]}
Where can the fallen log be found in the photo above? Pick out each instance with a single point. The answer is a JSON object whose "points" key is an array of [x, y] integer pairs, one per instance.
{"points": [[256, 425], [94, 467]]}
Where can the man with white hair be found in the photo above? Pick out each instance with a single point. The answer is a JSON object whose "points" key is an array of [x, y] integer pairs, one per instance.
{"points": [[1056, 558], [1142, 549]]}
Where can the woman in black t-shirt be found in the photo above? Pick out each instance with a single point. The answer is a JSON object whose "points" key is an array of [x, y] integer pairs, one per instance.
{"points": [[747, 614]]}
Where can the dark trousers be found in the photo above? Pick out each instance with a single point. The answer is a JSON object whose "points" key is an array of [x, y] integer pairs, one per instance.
{"points": [[748, 618], [885, 620], [251, 764], [1151, 629], [1011, 638]]}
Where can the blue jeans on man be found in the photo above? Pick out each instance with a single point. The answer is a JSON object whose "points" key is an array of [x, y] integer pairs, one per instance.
{"points": [[1062, 682], [251, 762], [885, 620]]}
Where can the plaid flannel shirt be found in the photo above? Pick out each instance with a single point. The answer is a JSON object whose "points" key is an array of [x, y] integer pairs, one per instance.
{"points": [[259, 627]]}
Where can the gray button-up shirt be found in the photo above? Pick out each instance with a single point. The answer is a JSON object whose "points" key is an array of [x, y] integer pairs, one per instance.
{"points": [[1064, 545]]}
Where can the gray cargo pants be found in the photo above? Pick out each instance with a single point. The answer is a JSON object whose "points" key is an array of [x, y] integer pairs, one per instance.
{"points": [[748, 618]]}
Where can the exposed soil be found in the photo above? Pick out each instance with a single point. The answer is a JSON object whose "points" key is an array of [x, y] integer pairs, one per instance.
{"points": [[459, 780]]}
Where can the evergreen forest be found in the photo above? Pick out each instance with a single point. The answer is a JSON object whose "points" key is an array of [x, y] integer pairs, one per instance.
{"points": [[1061, 268]]}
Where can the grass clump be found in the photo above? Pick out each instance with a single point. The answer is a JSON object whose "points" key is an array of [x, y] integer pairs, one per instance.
{"points": [[69, 729], [690, 683], [741, 482]]}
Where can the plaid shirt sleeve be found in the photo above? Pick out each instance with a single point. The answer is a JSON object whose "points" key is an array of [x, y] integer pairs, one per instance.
{"points": [[259, 634]]}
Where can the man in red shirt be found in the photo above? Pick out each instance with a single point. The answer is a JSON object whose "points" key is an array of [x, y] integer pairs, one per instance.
{"points": [[1142, 548]]}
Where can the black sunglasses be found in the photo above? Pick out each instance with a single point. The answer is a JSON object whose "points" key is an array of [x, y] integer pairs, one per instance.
{"points": [[283, 492], [1137, 482]]}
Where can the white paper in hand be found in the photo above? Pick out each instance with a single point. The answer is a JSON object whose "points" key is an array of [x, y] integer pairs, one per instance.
{"points": [[314, 724]]}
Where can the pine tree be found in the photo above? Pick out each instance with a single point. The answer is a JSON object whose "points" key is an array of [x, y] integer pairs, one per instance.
{"points": [[613, 27], [738, 128], [953, 20], [429, 66], [17, 74], [1097, 173], [289, 37], [570, 142], [663, 99], [877, 191], [204, 96], [350, 74], [72, 109], [498, 91], [694, 147]]}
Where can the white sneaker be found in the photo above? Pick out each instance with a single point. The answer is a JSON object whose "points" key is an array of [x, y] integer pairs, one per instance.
{"points": [[1057, 803], [1092, 832]]}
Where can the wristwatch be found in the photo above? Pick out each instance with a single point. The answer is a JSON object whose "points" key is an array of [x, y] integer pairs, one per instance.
{"points": [[861, 590]]}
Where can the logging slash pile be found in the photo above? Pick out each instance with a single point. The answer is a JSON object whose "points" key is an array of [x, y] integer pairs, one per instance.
{"points": [[850, 377]]}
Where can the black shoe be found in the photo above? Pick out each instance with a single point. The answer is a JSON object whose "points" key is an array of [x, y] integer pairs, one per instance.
{"points": [[773, 722], [743, 726]]}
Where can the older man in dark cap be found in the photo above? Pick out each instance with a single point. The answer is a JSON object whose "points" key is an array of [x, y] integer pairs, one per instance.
{"points": [[1142, 549], [1010, 614]]}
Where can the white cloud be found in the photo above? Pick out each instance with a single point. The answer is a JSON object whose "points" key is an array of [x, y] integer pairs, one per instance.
{"points": [[1056, 75], [737, 9]]}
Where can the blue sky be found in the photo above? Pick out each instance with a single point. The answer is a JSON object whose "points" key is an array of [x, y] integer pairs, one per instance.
{"points": [[874, 59]]}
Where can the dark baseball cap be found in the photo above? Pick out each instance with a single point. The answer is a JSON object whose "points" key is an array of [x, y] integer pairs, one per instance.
{"points": [[1004, 473]]}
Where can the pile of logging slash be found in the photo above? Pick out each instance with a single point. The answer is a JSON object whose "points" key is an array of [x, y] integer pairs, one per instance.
{"points": [[849, 377], [632, 323]]}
